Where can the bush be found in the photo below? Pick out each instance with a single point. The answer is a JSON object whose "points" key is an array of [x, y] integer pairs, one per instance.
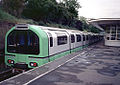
{"points": [[7, 17]]}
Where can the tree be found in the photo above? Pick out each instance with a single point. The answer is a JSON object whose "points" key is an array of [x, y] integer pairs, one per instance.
{"points": [[84, 23], [39, 9], [88, 27], [49, 11], [14, 7], [72, 6]]}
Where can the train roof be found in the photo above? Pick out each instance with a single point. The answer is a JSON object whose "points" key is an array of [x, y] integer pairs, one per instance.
{"points": [[26, 27]]}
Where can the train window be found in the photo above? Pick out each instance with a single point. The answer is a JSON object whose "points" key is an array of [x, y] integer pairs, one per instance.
{"points": [[83, 37], [11, 40], [61, 40], [51, 41], [23, 42], [72, 38], [78, 38]]}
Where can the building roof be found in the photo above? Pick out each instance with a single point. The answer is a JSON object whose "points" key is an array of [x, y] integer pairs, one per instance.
{"points": [[104, 21]]}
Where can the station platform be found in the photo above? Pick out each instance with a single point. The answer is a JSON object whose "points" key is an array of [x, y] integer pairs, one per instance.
{"points": [[94, 65]]}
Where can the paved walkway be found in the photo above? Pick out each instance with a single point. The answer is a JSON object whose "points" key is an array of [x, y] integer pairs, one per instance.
{"points": [[99, 66], [95, 65]]}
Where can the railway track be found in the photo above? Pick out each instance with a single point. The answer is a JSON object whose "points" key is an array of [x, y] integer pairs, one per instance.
{"points": [[10, 73], [6, 74]]}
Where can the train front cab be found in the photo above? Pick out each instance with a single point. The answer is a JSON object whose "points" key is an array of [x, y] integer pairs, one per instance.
{"points": [[26, 47]]}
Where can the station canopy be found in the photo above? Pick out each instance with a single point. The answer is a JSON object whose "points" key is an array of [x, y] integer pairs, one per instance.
{"points": [[102, 23]]}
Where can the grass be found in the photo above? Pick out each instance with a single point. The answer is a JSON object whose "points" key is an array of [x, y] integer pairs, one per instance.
{"points": [[7, 17], [56, 25], [28, 21], [4, 16]]}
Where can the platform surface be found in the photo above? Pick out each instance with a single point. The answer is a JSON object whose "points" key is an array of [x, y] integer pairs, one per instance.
{"points": [[99, 66], [95, 65]]}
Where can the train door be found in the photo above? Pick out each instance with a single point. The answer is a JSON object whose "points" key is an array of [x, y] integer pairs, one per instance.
{"points": [[83, 36], [72, 42], [50, 44]]}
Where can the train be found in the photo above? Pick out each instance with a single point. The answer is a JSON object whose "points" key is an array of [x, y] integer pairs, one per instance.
{"points": [[30, 46]]}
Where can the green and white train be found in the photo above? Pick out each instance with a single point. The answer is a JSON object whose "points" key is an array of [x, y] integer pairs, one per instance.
{"points": [[29, 46]]}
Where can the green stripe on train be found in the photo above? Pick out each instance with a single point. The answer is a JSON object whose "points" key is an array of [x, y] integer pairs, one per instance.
{"points": [[52, 58]]}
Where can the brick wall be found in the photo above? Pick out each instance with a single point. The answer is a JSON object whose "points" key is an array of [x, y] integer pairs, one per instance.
{"points": [[4, 27]]}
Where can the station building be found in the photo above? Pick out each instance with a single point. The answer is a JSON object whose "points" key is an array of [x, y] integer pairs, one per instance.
{"points": [[111, 27]]}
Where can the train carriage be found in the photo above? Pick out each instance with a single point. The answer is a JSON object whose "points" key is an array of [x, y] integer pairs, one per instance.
{"points": [[78, 41], [29, 46]]}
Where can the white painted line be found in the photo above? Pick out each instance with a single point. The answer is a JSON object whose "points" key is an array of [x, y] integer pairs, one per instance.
{"points": [[26, 72], [49, 71], [41, 66]]}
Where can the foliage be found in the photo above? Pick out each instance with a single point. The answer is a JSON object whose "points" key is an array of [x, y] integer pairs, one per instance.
{"points": [[7, 17], [93, 29], [72, 6], [88, 27], [14, 7], [84, 23], [46, 12], [56, 25], [49, 11], [39, 9], [28, 21]]}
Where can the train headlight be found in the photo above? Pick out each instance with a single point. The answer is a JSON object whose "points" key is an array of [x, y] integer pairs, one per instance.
{"points": [[10, 61], [33, 64]]}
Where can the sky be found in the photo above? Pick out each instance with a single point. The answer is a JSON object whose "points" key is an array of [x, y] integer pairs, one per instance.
{"points": [[99, 8]]}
